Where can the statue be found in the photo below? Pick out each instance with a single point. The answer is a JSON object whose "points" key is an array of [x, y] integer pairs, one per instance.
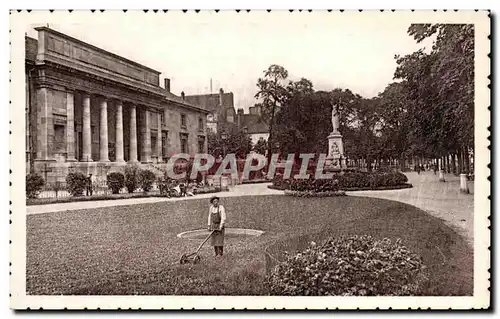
{"points": [[335, 118]]}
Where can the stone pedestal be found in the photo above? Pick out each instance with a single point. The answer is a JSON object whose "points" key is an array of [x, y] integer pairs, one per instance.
{"points": [[335, 159], [463, 183]]}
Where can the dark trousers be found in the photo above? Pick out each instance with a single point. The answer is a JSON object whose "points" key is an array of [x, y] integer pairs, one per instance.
{"points": [[89, 190], [219, 250]]}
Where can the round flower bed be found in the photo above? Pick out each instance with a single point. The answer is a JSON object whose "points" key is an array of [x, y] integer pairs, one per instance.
{"points": [[350, 266], [314, 194]]}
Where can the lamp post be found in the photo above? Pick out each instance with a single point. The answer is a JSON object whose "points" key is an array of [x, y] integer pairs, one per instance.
{"points": [[223, 137]]}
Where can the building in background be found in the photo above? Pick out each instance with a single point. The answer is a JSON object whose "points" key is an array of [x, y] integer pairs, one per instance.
{"points": [[253, 124], [93, 111], [220, 107]]}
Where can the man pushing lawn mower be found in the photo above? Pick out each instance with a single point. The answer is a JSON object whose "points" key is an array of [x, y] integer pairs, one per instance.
{"points": [[216, 222]]}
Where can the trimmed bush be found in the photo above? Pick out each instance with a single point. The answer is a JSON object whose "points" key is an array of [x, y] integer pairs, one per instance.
{"points": [[314, 194], [115, 182], [131, 177], [350, 266], [34, 185], [146, 179], [76, 183]]}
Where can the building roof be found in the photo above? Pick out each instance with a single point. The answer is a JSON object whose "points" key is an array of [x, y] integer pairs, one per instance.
{"points": [[116, 56], [32, 49], [253, 123], [211, 102]]}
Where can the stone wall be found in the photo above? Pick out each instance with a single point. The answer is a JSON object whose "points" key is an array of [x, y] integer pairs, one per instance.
{"points": [[174, 127]]}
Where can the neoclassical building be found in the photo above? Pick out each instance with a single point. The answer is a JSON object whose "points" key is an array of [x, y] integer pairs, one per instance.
{"points": [[94, 111]]}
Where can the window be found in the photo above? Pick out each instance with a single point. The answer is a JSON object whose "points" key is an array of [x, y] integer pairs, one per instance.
{"points": [[183, 120], [200, 124], [201, 144], [162, 118], [184, 144]]}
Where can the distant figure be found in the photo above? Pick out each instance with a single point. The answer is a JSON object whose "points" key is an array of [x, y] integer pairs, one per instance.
{"points": [[435, 169], [89, 185], [418, 169], [182, 187]]}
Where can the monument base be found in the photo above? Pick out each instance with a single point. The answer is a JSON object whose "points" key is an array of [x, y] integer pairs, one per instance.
{"points": [[335, 161]]}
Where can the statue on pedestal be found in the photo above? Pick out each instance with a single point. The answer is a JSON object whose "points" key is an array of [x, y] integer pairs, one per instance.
{"points": [[335, 118]]}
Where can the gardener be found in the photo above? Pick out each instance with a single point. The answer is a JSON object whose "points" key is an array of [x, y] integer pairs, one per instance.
{"points": [[216, 222]]}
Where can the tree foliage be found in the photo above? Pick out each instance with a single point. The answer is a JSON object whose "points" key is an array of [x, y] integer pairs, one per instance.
{"points": [[427, 112]]}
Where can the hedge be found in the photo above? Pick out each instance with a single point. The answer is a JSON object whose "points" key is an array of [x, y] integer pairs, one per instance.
{"points": [[314, 194], [344, 181]]}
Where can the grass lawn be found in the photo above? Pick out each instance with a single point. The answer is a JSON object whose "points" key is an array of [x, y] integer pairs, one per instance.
{"points": [[134, 249]]}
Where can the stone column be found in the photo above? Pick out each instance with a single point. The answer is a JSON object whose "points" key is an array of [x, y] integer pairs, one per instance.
{"points": [[70, 127], [133, 135], [119, 133], [146, 138], [86, 134], [159, 151], [103, 132], [45, 125]]}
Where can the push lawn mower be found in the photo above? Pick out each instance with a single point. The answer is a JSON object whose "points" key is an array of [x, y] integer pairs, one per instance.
{"points": [[194, 257]]}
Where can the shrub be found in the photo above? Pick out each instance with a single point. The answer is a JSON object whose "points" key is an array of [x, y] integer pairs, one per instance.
{"points": [[115, 182], [131, 176], [34, 185], [146, 179], [76, 183], [350, 266]]}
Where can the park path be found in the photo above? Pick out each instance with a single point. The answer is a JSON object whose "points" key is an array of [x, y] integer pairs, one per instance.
{"points": [[442, 200], [240, 190]]}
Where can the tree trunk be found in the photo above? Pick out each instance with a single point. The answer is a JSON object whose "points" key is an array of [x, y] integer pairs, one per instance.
{"points": [[453, 163], [269, 141], [448, 169], [460, 161], [466, 160]]}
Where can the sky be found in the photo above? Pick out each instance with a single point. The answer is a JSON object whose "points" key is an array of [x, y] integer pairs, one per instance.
{"points": [[233, 49]]}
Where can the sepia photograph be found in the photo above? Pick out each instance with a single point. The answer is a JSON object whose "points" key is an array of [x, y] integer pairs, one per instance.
{"points": [[197, 157]]}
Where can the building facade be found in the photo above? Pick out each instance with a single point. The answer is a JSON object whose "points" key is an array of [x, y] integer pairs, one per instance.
{"points": [[93, 111], [220, 107]]}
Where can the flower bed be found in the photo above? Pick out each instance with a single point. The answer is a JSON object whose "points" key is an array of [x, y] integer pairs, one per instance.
{"points": [[314, 194], [347, 181], [256, 181], [350, 266]]}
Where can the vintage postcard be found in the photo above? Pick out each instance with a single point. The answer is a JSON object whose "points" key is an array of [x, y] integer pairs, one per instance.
{"points": [[250, 159]]}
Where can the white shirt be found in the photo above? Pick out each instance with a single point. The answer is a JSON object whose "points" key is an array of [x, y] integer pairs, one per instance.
{"points": [[222, 212]]}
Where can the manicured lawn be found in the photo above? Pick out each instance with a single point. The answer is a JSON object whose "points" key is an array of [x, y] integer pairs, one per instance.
{"points": [[134, 249]]}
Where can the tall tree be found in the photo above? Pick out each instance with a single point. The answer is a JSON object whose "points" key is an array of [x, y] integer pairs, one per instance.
{"points": [[273, 94]]}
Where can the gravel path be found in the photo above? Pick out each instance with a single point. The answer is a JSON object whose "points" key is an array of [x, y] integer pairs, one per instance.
{"points": [[443, 200]]}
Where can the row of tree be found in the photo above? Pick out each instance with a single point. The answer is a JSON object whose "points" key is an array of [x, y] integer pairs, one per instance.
{"points": [[427, 112]]}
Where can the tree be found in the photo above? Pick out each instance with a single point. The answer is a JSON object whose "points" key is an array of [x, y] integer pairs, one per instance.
{"points": [[273, 94], [440, 83], [260, 147], [237, 142]]}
